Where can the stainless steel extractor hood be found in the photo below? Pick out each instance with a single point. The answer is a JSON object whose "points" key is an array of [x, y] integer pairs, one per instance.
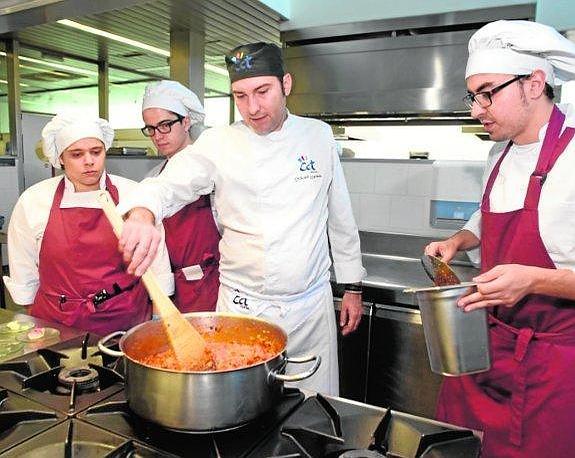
{"points": [[409, 69]]}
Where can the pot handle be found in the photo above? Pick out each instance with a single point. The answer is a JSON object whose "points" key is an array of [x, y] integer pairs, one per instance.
{"points": [[296, 377], [108, 351]]}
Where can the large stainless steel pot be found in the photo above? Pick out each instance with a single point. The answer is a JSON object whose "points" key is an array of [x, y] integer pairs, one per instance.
{"points": [[203, 401]]}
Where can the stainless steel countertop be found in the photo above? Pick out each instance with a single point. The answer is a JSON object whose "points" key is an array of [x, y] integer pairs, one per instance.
{"points": [[398, 273], [66, 333], [390, 275], [392, 262]]}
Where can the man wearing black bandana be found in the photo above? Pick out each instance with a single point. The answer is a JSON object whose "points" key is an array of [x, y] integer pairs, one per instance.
{"points": [[280, 193]]}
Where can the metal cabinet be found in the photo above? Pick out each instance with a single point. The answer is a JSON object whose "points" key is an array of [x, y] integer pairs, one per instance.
{"points": [[353, 353], [399, 372]]}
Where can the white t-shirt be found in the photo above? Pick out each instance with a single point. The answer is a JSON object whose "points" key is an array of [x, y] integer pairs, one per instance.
{"points": [[28, 223], [277, 197], [557, 203]]}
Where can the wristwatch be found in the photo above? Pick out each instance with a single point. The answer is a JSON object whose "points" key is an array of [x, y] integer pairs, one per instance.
{"points": [[353, 288]]}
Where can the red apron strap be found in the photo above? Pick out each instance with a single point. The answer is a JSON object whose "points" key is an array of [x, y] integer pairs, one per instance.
{"points": [[112, 190], [485, 206], [549, 146], [553, 146], [564, 140]]}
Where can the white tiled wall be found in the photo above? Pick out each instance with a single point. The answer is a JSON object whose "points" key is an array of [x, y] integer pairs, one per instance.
{"points": [[394, 195]]}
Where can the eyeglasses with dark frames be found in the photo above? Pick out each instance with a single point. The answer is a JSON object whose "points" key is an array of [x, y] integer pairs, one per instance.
{"points": [[164, 127], [485, 98]]}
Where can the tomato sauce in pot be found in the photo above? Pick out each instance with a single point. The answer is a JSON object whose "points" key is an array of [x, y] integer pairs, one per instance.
{"points": [[225, 356], [231, 348]]}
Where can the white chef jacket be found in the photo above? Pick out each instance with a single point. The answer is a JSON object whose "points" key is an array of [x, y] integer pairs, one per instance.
{"points": [[277, 197], [557, 203], [28, 223], [155, 171]]}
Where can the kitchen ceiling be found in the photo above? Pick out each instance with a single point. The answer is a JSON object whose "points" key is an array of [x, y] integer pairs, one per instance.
{"points": [[58, 56]]}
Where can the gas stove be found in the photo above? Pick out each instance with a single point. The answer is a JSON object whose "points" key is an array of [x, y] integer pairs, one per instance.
{"points": [[68, 400], [69, 376]]}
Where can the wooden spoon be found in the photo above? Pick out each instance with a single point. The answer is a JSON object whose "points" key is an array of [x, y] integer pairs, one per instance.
{"points": [[188, 344]]}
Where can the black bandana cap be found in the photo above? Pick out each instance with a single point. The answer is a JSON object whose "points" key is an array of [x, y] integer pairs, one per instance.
{"points": [[255, 59]]}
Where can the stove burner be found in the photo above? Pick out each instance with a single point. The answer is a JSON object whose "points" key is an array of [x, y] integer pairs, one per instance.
{"points": [[85, 378], [68, 376]]}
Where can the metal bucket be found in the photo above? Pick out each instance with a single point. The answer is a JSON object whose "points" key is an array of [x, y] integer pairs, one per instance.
{"points": [[457, 341]]}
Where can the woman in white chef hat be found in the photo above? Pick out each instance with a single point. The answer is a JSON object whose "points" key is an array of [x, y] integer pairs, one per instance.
{"points": [[525, 404], [173, 116], [63, 256]]}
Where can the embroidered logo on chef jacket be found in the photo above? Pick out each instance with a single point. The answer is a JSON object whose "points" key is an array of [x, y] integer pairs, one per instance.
{"points": [[307, 169], [242, 62], [240, 300]]}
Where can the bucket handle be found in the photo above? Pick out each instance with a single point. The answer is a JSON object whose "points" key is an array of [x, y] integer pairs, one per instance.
{"points": [[274, 375], [108, 351]]}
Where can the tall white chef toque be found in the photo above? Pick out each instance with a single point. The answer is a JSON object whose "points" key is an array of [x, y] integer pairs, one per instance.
{"points": [[63, 130], [519, 48], [173, 96]]}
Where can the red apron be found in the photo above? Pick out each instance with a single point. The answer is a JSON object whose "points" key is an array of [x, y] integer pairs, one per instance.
{"points": [[192, 239], [79, 258], [525, 403]]}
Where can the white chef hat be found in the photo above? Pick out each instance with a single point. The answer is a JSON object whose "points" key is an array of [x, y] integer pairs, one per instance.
{"points": [[519, 48], [63, 130], [175, 97]]}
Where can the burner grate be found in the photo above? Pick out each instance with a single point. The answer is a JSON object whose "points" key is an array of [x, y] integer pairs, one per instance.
{"points": [[68, 376], [313, 443], [400, 437], [114, 415], [74, 438], [21, 418], [337, 428]]}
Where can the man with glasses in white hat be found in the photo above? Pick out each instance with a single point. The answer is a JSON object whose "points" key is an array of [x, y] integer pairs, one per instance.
{"points": [[525, 403], [279, 193], [173, 117]]}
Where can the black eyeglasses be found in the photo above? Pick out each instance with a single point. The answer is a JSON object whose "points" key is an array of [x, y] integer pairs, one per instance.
{"points": [[485, 98], [165, 127]]}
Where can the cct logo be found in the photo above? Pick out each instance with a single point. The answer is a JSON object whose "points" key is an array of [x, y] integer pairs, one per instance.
{"points": [[307, 168], [305, 165], [242, 62]]}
